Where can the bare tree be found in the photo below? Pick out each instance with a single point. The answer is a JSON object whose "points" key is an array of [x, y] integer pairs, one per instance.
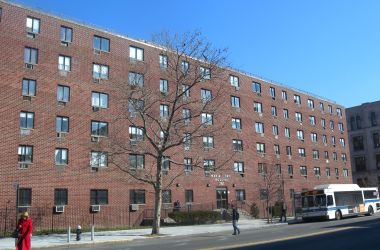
{"points": [[163, 121]]}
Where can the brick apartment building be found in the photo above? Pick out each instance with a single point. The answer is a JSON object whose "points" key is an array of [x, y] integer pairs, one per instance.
{"points": [[52, 111], [364, 136]]}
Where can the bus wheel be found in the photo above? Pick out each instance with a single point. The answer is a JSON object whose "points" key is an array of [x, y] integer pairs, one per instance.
{"points": [[370, 210], [338, 215]]}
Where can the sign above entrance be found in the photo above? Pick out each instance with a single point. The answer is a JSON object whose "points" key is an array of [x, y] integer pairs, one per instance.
{"points": [[221, 178]]}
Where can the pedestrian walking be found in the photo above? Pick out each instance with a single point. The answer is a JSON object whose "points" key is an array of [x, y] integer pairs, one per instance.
{"points": [[235, 219], [283, 211], [177, 206], [25, 229]]}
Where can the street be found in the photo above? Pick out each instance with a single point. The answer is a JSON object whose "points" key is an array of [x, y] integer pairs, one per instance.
{"points": [[351, 233]]}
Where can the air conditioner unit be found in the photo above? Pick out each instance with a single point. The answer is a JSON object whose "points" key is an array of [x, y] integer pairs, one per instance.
{"points": [[97, 52], [133, 142], [25, 132], [95, 208], [59, 209], [63, 43], [278, 156], [95, 109], [27, 97], [187, 147], [259, 94], [62, 103], [95, 138], [96, 80], [31, 35], [262, 135], [61, 135], [132, 114], [261, 114], [62, 72], [23, 166], [133, 207], [29, 66], [276, 136], [237, 88]]}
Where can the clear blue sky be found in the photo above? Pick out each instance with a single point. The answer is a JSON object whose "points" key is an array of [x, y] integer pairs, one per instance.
{"points": [[329, 48]]}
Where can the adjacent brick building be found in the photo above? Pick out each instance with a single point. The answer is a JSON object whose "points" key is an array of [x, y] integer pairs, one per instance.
{"points": [[57, 97], [364, 136]]}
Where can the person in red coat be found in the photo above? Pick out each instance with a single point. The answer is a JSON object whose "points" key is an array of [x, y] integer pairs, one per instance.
{"points": [[25, 228]]}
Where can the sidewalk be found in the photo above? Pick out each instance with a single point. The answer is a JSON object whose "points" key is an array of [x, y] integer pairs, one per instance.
{"points": [[128, 235]]}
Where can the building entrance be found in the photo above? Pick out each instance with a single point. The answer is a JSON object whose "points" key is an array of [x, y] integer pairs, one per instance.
{"points": [[221, 198]]}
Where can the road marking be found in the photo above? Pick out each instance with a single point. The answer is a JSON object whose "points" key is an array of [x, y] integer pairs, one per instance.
{"points": [[279, 239]]}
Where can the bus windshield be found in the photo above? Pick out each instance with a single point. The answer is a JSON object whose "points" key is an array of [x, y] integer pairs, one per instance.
{"points": [[320, 200]]}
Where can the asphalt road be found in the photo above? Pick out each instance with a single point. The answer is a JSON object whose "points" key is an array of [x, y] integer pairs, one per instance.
{"points": [[352, 233]]}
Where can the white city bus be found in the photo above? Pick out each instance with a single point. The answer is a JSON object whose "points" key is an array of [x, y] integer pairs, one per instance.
{"points": [[334, 201]]}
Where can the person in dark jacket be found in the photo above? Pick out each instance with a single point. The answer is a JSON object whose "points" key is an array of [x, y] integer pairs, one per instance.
{"points": [[235, 219], [283, 211]]}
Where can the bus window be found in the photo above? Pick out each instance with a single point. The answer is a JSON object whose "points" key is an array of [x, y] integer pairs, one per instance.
{"points": [[370, 194], [330, 201], [310, 201], [304, 201], [320, 200]]}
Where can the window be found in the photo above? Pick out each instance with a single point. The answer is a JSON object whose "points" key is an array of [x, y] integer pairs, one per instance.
{"points": [[343, 157], [166, 196], [239, 167], [187, 141], [259, 127], [64, 63], [310, 103], [262, 168], [188, 163], [286, 113], [326, 155], [61, 156], [24, 197], [237, 145], [236, 123], [315, 154], [240, 195], [297, 99], [99, 100], [30, 55], [303, 170], [164, 111], [99, 196], [272, 92], [208, 165], [256, 87], [186, 92], [63, 93], [206, 95], [333, 140], [135, 105], [301, 152], [100, 71], [323, 123], [26, 120], [164, 87], [189, 196], [317, 171], [314, 137], [373, 119], [345, 172], [376, 140], [284, 95], [342, 142], [208, 142], [66, 34], [62, 124], [33, 25], [99, 128], [185, 67], [136, 133], [136, 161], [258, 107], [276, 149], [300, 135], [137, 79], [335, 156], [101, 44], [186, 115], [298, 117], [330, 109], [136, 53], [287, 132], [275, 130], [60, 197], [358, 122], [324, 139], [360, 163], [137, 196], [288, 150], [312, 120], [99, 159], [234, 81], [336, 172], [25, 154], [1, 13], [328, 172], [340, 127], [290, 169], [205, 73], [321, 107], [163, 62], [332, 125], [206, 119], [28, 87], [260, 148], [339, 112], [274, 111], [235, 102]]}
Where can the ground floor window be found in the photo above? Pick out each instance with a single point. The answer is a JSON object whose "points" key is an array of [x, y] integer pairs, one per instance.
{"points": [[99, 196]]}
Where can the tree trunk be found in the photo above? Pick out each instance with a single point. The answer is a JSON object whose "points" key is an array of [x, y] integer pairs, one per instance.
{"points": [[157, 199]]}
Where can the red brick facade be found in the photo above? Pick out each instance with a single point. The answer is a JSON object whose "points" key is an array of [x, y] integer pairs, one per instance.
{"points": [[42, 176]]}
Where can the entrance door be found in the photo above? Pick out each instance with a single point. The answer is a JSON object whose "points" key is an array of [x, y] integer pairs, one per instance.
{"points": [[221, 198]]}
